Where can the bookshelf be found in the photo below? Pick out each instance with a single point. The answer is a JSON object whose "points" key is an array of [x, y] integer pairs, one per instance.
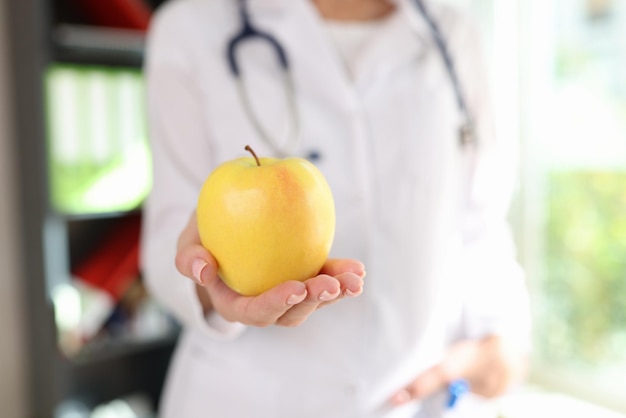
{"points": [[83, 44], [70, 73]]}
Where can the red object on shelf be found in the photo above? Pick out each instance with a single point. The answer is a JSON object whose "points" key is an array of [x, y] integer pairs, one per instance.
{"points": [[124, 274], [114, 265], [127, 14]]}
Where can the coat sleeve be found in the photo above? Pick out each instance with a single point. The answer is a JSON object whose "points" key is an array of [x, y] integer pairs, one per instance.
{"points": [[496, 298], [181, 160]]}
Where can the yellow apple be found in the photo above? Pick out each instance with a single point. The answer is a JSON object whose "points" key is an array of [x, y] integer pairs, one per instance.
{"points": [[266, 221]]}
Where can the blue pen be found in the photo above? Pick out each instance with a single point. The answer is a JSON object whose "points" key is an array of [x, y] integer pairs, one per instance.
{"points": [[456, 389]]}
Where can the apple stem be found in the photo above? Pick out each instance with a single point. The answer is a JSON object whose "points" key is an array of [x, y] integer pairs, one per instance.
{"points": [[248, 148]]}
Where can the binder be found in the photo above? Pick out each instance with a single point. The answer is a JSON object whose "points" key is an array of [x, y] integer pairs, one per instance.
{"points": [[105, 276], [114, 265], [126, 14], [99, 157]]}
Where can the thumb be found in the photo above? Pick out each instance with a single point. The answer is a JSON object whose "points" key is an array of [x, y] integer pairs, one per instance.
{"points": [[197, 264], [192, 259]]}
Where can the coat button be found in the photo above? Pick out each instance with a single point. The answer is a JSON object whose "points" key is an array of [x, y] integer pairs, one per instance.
{"points": [[314, 156]]}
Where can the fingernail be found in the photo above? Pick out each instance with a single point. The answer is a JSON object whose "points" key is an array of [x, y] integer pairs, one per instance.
{"points": [[325, 296], [293, 299], [197, 267], [401, 397], [350, 293], [362, 268]]}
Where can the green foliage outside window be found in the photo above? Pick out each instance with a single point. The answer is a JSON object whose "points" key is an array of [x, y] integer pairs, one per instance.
{"points": [[583, 306]]}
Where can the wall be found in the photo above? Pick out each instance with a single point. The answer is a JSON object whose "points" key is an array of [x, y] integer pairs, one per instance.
{"points": [[12, 359]]}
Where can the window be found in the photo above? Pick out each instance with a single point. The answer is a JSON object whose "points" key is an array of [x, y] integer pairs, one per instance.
{"points": [[573, 201]]}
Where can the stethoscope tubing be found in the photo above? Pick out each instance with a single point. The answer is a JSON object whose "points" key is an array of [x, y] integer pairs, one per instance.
{"points": [[467, 134], [442, 45], [247, 32]]}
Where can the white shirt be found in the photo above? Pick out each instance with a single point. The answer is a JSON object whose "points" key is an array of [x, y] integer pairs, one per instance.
{"points": [[352, 39], [426, 216]]}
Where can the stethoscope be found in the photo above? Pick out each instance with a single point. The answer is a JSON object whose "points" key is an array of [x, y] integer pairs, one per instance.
{"points": [[467, 133]]}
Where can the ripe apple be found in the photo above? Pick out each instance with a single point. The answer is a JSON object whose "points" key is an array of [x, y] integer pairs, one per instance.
{"points": [[266, 221]]}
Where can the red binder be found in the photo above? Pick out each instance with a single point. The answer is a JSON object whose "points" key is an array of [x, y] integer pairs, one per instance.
{"points": [[114, 265], [126, 14]]}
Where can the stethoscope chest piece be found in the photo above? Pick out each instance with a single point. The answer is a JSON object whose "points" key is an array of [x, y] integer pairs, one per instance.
{"points": [[467, 135]]}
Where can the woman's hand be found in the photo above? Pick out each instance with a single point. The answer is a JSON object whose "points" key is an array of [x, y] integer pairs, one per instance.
{"points": [[489, 365], [288, 304]]}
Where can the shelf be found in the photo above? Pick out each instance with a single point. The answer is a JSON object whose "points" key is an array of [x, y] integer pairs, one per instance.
{"points": [[139, 369], [43, 37], [99, 155], [77, 44], [83, 217], [121, 347]]}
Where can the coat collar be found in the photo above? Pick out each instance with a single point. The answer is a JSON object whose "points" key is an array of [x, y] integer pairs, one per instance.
{"points": [[300, 29], [279, 7]]}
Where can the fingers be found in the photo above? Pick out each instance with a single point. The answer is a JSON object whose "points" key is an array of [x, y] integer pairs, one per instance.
{"points": [[426, 384], [192, 259], [196, 263], [485, 364], [490, 365], [336, 266], [456, 364], [260, 311], [351, 284], [322, 290], [289, 303]]}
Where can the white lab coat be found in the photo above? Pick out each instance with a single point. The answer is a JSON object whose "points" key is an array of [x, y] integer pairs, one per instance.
{"points": [[426, 216]]}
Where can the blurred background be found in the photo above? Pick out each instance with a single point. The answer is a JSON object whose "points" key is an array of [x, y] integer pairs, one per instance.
{"points": [[79, 336]]}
